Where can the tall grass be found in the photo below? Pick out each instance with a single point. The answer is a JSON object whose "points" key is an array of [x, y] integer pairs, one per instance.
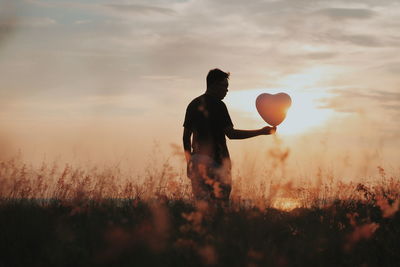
{"points": [[19, 180], [66, 215]]}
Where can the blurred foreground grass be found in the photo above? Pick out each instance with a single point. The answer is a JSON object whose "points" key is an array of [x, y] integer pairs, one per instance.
{"points": [[71, 217], [163, 232]]}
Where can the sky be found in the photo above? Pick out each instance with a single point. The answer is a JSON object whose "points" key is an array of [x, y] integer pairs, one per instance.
{"points": [[105, 81]]}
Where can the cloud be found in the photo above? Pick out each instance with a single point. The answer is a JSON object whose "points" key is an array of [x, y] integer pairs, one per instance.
{"points": [[393, 67], [140, 9], [393, 107], [7, 28], [346, 13], [129, 47], [365, 40], [61, 4], [83, 21], [362, 100], [384, 96], [319, 55], [360, 39], [8, 21], [36, 22], [153, 56]]}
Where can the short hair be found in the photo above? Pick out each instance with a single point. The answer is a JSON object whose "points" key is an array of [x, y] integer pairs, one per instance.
{"points": [[216, 75]]}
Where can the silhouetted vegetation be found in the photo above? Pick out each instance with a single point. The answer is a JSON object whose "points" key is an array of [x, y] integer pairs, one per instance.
{"points": [[166, 232], [71, 217]]}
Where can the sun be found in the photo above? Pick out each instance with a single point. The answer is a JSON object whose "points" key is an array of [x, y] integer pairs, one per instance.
{"points": [[304, 115], [286, 203]]}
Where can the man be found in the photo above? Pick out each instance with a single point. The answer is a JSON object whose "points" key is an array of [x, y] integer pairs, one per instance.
{"points": [[207, 120]]}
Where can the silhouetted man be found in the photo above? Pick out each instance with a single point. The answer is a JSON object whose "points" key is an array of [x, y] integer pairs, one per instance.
{"points": [[207, 121]]}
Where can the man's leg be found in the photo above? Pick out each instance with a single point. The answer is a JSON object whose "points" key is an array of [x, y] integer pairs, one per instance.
{"points": [[210, 181], [198, 174], [223, 179]]}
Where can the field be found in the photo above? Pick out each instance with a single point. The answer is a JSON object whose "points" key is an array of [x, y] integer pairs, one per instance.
{"points": [[66, 216]]}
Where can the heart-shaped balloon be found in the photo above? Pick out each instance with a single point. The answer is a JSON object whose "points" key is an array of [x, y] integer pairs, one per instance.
{"points": [[273, 108]]}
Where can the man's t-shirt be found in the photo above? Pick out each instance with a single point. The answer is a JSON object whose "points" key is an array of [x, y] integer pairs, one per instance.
{"points": [[208, 117]]}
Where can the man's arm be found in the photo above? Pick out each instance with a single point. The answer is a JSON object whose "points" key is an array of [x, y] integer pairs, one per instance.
{"points": [[187, 144], [232, 133]]}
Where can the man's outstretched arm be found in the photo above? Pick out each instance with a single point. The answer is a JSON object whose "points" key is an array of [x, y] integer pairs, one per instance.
{"points": [[232, 133], [187, 144]]}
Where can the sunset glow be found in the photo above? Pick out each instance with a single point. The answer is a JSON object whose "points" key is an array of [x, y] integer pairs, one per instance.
{"points": [[106, 81], [304, 115], [286, 203], [199, 133]]}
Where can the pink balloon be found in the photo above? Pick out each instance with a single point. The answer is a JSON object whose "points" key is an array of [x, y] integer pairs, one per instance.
{"points": [[273, 108]]}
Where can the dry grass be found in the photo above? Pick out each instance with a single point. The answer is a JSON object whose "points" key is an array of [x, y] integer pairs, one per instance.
{"points": [[65, 215], [19, 180]]}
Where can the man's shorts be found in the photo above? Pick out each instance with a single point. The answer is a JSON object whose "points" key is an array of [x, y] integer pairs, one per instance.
{"points": [[210, 180]]}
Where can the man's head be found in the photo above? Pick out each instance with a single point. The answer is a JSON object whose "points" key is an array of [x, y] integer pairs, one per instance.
{"points": [[217, 83]]}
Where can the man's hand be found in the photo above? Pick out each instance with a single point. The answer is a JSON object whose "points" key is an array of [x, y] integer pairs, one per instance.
{"points": [[268, 130]]}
